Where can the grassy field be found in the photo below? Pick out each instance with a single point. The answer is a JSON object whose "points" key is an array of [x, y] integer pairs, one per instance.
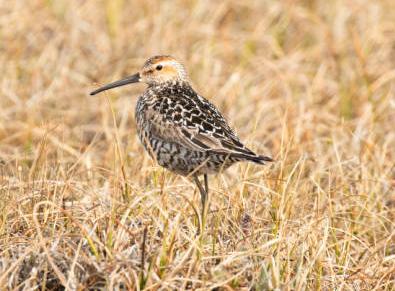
{"points": [[310, 83]]}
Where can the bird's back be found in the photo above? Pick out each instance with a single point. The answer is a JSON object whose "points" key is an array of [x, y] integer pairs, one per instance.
{"points": [[185, 132]]}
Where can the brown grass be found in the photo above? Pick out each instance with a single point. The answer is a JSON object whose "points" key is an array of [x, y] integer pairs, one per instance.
{"points": [[309, 82]]}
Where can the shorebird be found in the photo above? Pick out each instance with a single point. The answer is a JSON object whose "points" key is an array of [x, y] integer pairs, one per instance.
{"points": [[183, 131]]}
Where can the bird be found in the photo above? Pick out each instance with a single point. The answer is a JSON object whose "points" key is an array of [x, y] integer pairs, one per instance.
{"points": [[179, 128]]}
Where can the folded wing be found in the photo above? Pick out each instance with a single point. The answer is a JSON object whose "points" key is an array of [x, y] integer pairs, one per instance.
{"points": [[197, 124]]}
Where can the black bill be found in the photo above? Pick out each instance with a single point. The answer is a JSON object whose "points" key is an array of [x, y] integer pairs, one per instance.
{"points": [[128, 80]]}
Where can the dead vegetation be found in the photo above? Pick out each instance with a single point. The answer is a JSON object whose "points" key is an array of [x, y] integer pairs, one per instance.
{"points": [[309, 82]]}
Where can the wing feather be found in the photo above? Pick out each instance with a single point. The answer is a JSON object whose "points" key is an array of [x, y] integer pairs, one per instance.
{"points": [[205, 131]]}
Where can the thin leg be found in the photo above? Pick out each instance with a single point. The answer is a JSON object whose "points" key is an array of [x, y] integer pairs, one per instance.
{"points": [[206, 184], [203, 196], [203, 193]]}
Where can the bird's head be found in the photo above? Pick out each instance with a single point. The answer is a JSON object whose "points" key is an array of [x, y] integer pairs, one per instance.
{"points": [[161, 69], [156, 70]]}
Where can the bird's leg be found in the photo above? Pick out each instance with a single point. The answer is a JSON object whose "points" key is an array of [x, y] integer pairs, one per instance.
{"points": [[204, 202], [206, 184], [203, 195]]}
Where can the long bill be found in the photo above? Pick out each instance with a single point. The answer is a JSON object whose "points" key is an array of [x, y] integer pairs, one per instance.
{"points": [[128, 80]]}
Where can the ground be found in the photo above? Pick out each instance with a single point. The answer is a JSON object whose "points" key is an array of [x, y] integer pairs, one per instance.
{"points": [[310, 83]]}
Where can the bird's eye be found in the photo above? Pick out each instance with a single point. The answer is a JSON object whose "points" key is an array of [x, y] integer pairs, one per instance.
{"points": [[159, 67]]}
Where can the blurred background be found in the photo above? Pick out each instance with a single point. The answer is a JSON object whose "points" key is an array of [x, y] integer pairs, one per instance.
{"points": [[310, 83]]}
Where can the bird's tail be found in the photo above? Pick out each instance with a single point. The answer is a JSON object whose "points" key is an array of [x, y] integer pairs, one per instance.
{"points": [[253, 158]]}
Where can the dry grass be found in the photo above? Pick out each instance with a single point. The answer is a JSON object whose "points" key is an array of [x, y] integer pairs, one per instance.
{"points": [[309, 82]]}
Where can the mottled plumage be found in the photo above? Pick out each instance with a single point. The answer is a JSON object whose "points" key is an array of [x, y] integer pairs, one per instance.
{"points": [[184, 132], [180, 129]]}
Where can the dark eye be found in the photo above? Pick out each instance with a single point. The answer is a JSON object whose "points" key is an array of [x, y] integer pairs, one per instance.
{"points": [[159, 67]]}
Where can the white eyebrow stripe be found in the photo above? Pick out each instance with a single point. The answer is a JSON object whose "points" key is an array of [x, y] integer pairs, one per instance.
{"points": [[180, 68], [168, 62]]}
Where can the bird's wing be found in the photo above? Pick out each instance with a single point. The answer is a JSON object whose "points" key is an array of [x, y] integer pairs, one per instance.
{"points": [[195, 123]]}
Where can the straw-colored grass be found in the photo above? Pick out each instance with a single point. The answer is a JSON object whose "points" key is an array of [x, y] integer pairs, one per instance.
{"points": [[310, 83]]}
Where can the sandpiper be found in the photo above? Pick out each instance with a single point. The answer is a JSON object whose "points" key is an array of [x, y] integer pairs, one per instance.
{"points": [[180, 129]]}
